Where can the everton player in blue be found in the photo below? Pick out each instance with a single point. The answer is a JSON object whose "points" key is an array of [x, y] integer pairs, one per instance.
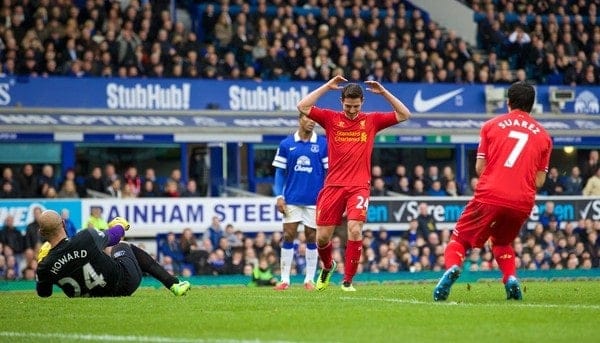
{"points": [[81, 268], [301, 164]]}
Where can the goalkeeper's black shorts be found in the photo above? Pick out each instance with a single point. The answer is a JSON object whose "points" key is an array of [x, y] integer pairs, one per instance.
{"points": [[132, 278]]}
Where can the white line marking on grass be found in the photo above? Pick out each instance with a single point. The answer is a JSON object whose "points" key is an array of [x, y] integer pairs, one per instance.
{"points": [[119, 338], [449, 303], [453, 303]]}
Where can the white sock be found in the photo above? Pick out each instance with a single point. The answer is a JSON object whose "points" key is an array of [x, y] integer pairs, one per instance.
{"points": [[312, 257], [287, 256]]}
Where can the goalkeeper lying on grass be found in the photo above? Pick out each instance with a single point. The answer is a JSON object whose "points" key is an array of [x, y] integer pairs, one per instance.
{"points": [[81, 268]]}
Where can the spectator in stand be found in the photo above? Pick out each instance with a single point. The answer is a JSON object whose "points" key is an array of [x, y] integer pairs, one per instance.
{"points": [[591, 165], [27, 182], [171, 190], [418, 188], [191, 189], [519, 45], [573, 184], [552, 186], [399, 172], [8, 191], [95, 221], [132, 179], [70, 227], [109, 176], [150, 175], [379, 189], [436, 189], [8, 177], [149, 190], [433, 174], [189, 246], [214, 232], [175, 177], [234, 237], [68, 190], [115, 189], [470, 189], [451, 188], [171, 247], [11, 237], [70, 175], [33, 240], [262, 274], [46, 180], [426, 221], [548, 214], [236, 264], [592, 187], [419, 174], [402, 186], [127, 191], [94, 181]]}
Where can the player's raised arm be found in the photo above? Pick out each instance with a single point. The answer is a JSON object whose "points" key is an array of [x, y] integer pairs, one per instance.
{"points": [[402, 112], [116, 231], [306, 103]]}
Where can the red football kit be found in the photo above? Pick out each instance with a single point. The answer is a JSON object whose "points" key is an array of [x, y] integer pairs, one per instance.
{"points": [[350, 146], [515, 147]]}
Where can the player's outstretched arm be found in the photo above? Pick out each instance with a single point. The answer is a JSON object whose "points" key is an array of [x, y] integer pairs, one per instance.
{"points": [[116, 231], [402, 112], [306, 103]]}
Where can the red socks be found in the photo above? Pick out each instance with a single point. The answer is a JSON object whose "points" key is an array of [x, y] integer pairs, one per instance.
{"points": [[325, 255], [454, 254], [353, 253], [505, 257]]}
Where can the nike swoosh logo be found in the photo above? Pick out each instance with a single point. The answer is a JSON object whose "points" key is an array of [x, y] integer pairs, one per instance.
{"points": [[292, 148], [421, 105]]}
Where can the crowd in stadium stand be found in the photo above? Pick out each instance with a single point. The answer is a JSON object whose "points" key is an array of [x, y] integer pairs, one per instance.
{"points": [[223, 249], [32, 181], [554, 42]]}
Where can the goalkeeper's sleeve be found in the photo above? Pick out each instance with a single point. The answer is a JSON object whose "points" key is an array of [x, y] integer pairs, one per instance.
{"points": [[114, 234]]}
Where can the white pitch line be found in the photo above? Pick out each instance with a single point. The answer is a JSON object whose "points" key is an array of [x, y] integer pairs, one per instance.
{"points": [[120, 338], [453, 303], [449, 303]]}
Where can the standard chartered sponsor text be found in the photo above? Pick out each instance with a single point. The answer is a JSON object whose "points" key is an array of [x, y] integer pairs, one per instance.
{"points": [[347, 136]]}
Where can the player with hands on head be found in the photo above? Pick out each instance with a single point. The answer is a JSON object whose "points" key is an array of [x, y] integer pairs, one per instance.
{"points": [[301, 164], [81, 268], [350, 138], [512, 162]]}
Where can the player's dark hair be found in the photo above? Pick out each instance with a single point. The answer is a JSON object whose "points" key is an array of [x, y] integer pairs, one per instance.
{"points": [[352, 91], [521, 95]]}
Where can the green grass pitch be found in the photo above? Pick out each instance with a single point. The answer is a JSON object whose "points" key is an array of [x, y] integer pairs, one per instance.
{"points": [[552, 311]]}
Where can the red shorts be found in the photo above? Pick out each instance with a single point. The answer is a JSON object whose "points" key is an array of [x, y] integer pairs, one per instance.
{"points": [[480, 222], [334, 201]]}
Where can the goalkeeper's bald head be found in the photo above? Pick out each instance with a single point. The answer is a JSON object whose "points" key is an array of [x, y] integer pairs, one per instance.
{"points": [[51, 224]]}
